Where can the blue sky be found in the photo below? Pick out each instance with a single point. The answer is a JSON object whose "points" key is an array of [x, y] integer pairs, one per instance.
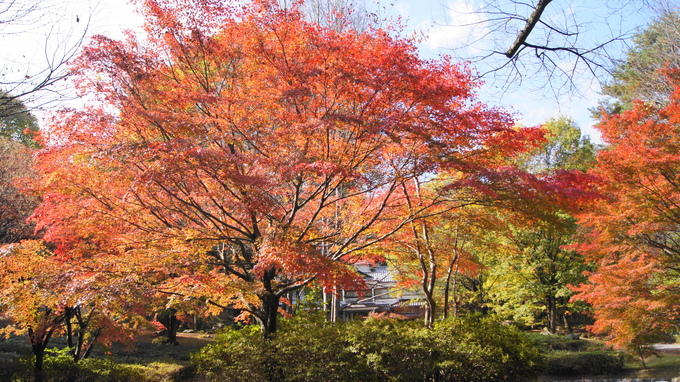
{"points": [[455, 27], [443, 27]]}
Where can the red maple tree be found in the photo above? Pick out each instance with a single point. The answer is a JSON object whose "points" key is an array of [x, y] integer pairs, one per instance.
{"points": [[632, 234], [247, 152]]}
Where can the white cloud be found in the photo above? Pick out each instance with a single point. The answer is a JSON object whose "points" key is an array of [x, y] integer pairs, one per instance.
{"points": [[462, 27]]}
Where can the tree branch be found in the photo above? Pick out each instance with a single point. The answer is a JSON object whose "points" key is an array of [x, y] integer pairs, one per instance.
{"points": [[531, 23]]}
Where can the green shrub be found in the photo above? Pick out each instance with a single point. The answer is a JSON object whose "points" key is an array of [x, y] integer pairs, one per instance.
{"points": [[236, 355], [309, 349], [585, 363], [392, 350], [476, 348]]}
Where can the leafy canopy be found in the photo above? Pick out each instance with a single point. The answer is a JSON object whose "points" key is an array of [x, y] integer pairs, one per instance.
{"points": [[247, 152]]}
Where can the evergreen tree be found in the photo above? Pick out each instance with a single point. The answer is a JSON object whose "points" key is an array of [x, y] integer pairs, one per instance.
{"points": [[641, 75]]}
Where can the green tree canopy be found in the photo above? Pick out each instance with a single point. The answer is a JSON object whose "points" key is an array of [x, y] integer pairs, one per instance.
{"points": [[532, 272], [17, 123], [641, 75], [566, 149]]}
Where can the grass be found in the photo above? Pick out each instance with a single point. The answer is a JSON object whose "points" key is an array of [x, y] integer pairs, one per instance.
{"points": [[663, 366], [158, 362], [163, 362]]}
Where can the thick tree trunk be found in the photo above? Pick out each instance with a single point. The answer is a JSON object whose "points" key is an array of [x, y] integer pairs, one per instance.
{"points": [[552, 314], [38, 370], [270, 298], [38, 346], [267, 316], [68, 315], [168, 318], [270, 308], [172, 329], [430, 309]]}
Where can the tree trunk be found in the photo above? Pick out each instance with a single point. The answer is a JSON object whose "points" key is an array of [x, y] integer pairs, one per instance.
{"points": [[68, 315], [430, 308], [168, 317], [334, 306], [270, 298], [38, 370], [270, 308], [567, 324], [428, 288], [642, 357], [449, 274], [90, 346], [270, 304], [552, 313], [445, 308], [38, 346], [268, 324], [455, 293], [172, 329]]}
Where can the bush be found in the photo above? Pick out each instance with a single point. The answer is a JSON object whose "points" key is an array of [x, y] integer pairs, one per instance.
{"points": [[585, 363], [236, 355], [308, 349], [10, 364], [392, 350], [476, 348]]}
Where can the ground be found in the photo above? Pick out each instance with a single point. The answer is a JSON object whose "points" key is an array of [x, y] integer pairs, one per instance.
{"points": [[167, 362]]}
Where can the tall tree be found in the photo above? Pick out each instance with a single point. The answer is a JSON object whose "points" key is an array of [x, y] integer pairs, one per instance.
{"points": [[434, 251], [17, 142], [632, 235], [566, 148], [423, 249], [537, 199], [256, 149], [532, 279], [541, 268]]}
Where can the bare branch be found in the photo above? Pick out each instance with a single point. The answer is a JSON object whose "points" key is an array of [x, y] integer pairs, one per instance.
{"points": [[531, 23]]}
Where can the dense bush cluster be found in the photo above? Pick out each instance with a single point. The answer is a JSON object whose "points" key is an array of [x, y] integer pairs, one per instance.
{"points": [[307, 349]]}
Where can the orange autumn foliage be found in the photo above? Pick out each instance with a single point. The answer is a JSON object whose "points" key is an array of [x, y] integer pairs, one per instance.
{"points": [[632, 234], [252, 152]]}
